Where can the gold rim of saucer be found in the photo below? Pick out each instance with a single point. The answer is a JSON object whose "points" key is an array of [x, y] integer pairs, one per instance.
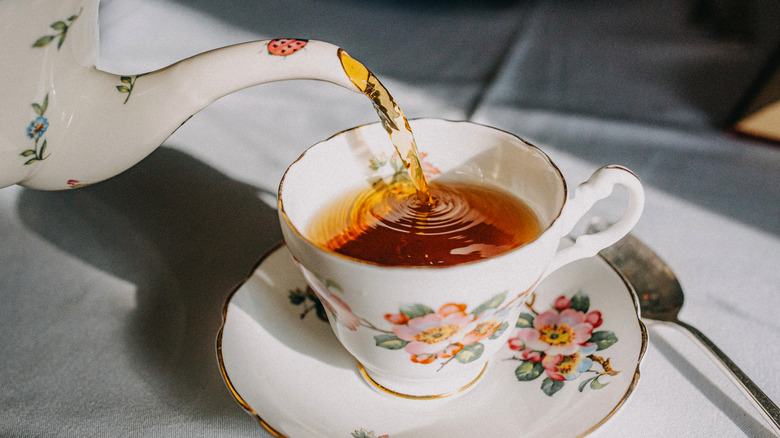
{"points": [[373, 382]]}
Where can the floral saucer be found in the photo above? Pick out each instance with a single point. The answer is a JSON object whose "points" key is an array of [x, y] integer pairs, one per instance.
{"points": [[284, 366]]}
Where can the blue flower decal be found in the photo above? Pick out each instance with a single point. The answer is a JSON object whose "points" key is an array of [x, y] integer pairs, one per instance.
{"points": [[37, 127], [35, 131]]}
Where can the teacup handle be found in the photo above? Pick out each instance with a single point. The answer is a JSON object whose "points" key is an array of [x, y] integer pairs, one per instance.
{"points": [[596, 188]]}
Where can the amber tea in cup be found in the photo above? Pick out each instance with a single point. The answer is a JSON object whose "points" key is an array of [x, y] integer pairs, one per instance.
{"points": [[389, 224]]}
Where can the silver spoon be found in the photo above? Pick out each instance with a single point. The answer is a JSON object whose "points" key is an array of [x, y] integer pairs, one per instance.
{"points": [[661, 297]]}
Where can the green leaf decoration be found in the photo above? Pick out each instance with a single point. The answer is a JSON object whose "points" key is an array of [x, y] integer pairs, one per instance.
{"points": [[580, 302], [470, 352], [528, 370], [60, 25], [375, 163], [585, 383], [390, 341], [43, 41], [123, 88], [28, 153], [322, 315], [62, 40], [415, 310], [31, 160], [525, 320], [550, 386], [490, 304], [499, 331], [297, 296], [45, 104], [37, 108], [596, 384], [126, 79], [43, 149], [73, 18], [603, 339]]}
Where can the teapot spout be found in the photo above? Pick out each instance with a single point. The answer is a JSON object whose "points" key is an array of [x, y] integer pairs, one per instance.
{"points": [[233, 68], [141, 111]]}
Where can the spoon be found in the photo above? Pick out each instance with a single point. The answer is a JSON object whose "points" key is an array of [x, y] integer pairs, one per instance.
{"points": [[660, 299]]}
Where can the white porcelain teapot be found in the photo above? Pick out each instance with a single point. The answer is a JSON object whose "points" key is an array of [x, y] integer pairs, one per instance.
{"points": [[66, 124]]}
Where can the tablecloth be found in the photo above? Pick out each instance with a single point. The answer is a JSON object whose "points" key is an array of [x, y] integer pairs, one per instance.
{"points": [[112, 295]]}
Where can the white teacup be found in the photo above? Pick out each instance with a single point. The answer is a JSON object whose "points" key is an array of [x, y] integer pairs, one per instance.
{"points": [[428, 332]]}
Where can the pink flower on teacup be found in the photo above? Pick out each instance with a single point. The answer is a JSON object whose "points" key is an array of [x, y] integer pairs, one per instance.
{"points": [[436, 334], [487, 324], [451, 332]]}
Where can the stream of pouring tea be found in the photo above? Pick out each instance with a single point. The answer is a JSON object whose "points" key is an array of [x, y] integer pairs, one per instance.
{"points": [[399, 223], [392, 118]]}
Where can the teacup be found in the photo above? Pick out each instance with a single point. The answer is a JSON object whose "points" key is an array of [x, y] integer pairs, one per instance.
{"points": [[428, 332]]}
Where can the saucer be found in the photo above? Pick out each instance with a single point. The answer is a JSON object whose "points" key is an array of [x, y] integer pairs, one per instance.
{"points": [[283, 365]]}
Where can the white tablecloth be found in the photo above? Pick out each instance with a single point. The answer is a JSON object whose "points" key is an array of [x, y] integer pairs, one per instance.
{"points": [[111, 295]]}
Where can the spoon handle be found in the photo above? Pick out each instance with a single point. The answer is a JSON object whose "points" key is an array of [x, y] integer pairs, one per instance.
{"points": [[764, 404]]}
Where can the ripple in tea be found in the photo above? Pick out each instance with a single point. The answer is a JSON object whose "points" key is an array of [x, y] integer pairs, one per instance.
{"points": [[390, 225]]}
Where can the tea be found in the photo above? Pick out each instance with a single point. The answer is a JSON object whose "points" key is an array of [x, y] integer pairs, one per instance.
{"points": [[389, 225], [392, 119], [416, 222]]}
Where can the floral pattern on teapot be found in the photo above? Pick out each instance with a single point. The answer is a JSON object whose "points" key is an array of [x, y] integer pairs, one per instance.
{"points": [[37, 128], [128, 83], [35, 131], [58, 41], [61, 31]]}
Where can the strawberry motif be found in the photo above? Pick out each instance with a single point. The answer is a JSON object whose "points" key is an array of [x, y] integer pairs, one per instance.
{"points": [[285, 46]]}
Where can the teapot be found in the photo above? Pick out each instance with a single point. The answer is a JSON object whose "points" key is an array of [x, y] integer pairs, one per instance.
{"points": [[66, 124]]}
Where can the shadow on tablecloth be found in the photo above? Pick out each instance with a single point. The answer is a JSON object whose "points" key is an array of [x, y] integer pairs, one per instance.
{"points": [[185, 235], [705, 385]]}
